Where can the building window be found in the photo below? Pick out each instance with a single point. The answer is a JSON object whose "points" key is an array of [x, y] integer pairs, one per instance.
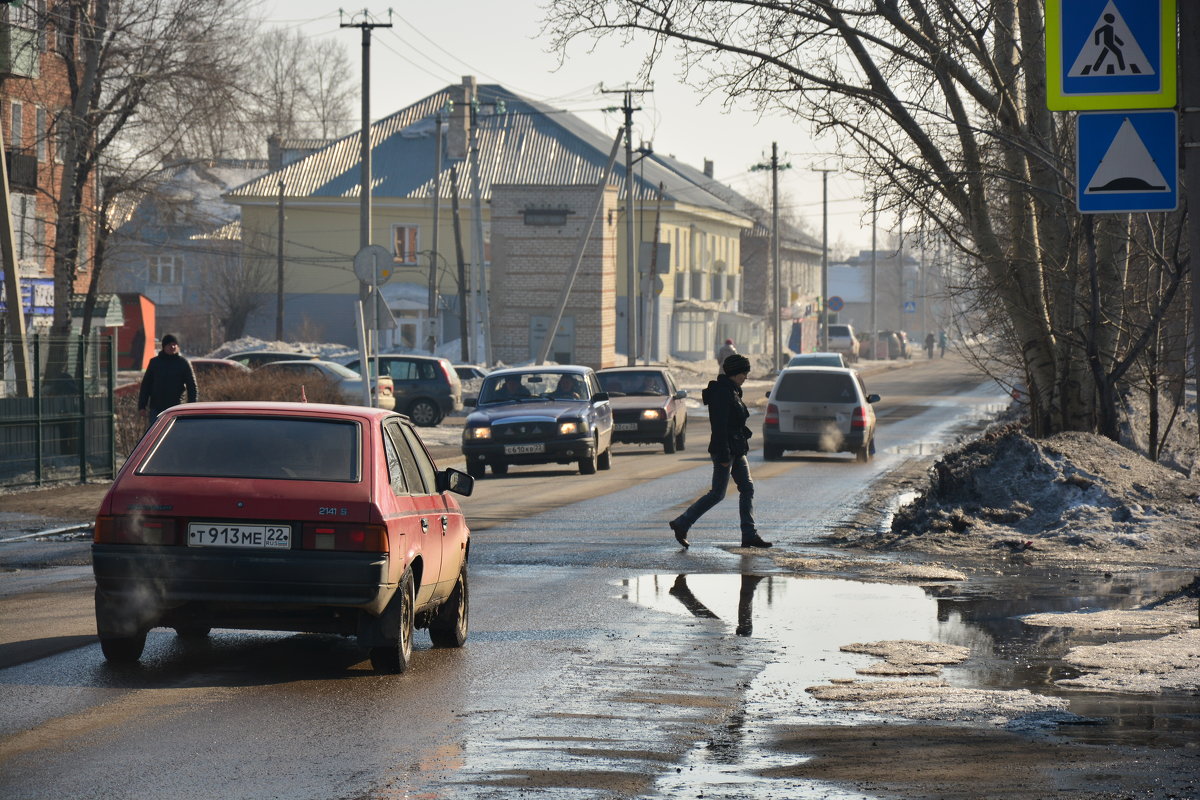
{"points": [[405, 243], [25, 225], [40, 133], [165, 269], [16, 140]]}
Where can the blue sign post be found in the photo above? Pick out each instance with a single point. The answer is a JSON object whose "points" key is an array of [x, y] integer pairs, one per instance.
{"points": [[1127, 162]]}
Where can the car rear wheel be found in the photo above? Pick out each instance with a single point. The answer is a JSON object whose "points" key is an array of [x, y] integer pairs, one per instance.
{"points": [[424, 413], [863, 454], [476, 469], [123, 649], [451, 623], [604, 460], [772, 452], [396, 656], [500, 469]]}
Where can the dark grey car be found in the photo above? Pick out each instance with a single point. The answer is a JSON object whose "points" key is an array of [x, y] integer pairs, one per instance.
{"points": [[427, 387]]}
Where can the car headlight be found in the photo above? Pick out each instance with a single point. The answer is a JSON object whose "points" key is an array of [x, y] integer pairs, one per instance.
{"points": [[571, 428], [652, 413], [479, 433]]}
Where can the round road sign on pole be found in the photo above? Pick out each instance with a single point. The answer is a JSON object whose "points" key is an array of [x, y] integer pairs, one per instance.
{"points": [[373, 264], [835, 303]]}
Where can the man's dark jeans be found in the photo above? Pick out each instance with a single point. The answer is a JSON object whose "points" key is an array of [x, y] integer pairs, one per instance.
{"points": [[739, 469]]}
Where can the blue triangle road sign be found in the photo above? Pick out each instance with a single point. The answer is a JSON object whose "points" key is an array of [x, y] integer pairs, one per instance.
{"points": [[1128, 161]]}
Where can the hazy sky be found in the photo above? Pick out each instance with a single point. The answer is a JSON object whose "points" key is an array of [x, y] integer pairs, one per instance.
{"points": [[432, 44]]}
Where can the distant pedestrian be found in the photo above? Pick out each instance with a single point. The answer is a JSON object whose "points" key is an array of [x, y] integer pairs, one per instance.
{"points": [[167, 377], [929, 342], [725, 351], [942, 343], [728, 446]]}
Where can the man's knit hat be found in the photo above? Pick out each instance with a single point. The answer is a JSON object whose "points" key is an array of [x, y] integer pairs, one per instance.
{"points": [[735, 365], [169, 338]]}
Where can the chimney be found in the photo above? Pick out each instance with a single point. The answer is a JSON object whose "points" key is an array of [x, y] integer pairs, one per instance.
{"points": [[274, 152], [708, 168], [460, 118]]}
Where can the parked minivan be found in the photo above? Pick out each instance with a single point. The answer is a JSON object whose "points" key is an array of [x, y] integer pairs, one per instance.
{"points": [[826, 409]]}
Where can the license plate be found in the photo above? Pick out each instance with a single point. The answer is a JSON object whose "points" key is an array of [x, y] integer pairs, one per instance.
{"points": [[802, 425], [224, 534], [518, 449], [625, 426]]}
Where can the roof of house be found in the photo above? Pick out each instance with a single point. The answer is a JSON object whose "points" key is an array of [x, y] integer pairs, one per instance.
{"points": [[528, 143], [790, 235]]}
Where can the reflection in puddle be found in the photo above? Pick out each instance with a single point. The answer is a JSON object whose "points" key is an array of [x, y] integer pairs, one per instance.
{"points": [[805, 622]]}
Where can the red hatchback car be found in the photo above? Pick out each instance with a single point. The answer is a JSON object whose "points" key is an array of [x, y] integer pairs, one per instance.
{"points": [[287, 517]]}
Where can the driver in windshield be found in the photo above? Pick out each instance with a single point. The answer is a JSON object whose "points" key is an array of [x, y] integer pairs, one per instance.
{"points": [[511, 388], [567, 389]]}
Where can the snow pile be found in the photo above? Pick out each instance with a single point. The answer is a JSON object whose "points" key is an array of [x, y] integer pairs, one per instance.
{"points": [[1073, 494]]}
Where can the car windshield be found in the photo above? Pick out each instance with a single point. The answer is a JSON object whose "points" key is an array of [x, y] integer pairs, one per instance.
{"points": [[257, 447], [532, 386], [839, 330], [816, 387], [632, 382]]}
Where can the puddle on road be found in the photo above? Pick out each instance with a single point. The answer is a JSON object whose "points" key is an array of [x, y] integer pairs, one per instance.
{"points": [[805, 622]]}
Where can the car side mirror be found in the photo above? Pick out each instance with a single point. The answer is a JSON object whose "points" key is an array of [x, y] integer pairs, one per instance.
{"points": [[470, 402], [451, 480], [600, 397], [681, 394], [872, 398]]}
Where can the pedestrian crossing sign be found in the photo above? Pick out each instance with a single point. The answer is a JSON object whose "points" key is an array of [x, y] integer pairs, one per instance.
{"points": [[1127, 161], [1110, 54]]}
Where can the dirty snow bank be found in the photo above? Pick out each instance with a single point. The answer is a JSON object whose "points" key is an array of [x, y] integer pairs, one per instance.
{"points": [[1073, 496]]}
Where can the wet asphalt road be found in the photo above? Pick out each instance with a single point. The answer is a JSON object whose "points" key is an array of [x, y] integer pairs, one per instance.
{"points": [[571, 685]]}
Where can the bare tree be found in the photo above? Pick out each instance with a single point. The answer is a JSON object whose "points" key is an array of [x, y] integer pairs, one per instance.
{"points": [[129, 66], [940, 106]]}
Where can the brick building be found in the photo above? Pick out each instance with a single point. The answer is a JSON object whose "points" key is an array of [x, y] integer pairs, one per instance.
{"points": [[535, 237], [34, 93]]}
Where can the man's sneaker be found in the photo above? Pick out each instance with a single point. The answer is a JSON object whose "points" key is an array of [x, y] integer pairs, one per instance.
{"points": [[680, 533], [755, 541]]}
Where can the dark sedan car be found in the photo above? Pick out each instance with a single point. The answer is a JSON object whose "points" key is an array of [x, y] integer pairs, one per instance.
{"points": [[539, 415], [648, 408], [427, 388]]}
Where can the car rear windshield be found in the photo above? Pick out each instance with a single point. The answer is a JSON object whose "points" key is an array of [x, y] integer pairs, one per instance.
{"points": [[839, 330], [816, 387], [649, 383], [257, 447]]}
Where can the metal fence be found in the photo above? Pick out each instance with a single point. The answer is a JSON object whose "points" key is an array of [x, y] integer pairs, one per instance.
{"points": [[65, 430]]}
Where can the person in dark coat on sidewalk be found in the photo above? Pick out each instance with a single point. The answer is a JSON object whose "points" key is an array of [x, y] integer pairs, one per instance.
{"points": [[167, 377], [728, 446]]}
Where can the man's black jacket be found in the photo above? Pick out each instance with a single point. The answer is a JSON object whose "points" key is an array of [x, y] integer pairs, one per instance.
{"points": [[727, 416], [166, 378]]}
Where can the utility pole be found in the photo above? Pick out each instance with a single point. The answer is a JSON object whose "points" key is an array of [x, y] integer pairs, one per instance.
{"points": [[433, 253], [279, 272], [481, 285], [874, 277], [15, 312], [364, 181], [824, 255], [631, 326], [776, 267]]}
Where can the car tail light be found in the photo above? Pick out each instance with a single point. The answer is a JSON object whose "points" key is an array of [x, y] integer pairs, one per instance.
{"points": [[858, 421], [772, 414], [135, 530], [360, 538], [447, 370]]}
